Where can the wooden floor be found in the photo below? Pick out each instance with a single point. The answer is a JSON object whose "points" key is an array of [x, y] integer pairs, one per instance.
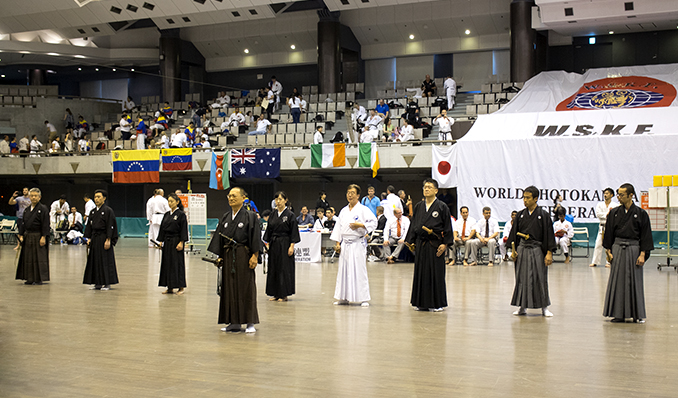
{"points": [[63, 340]]}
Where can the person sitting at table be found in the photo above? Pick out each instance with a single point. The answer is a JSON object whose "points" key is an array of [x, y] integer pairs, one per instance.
{"points": [[305, 220], [319, 218]]}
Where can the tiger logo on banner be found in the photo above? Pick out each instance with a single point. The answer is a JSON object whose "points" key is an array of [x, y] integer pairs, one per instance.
{"points": [[625, 92]]}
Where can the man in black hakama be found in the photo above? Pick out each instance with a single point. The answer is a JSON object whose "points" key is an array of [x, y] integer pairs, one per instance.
{"points": [[173, 232], [628, 242], [101, 232], [282, 232], [33, 266], [534, 254], [237, 241], [428, 286]]}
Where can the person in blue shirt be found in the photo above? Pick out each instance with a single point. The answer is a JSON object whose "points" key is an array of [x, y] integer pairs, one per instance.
{"points": [[370, 200], [382, 109]]}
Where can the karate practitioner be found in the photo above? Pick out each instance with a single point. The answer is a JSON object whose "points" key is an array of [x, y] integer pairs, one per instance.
{"points": [[354, 222], [75, 225], [222, 101], [487, 231], [319, 135], [406, 132], [172, 235], [101, 232], [282, 232], [504, 236], [451, 91], [628, 241], [156, 207], [33, 266], [444, 126], [602, 210], [58, 213], [391, 202], [358, 116], [371, 130], [236, 120], [533, 255], [429, 292], [237, 242], [564, 233], [276, 89], [89, 206]]}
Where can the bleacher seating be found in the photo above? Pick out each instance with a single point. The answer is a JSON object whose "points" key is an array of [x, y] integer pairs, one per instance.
{"points": [[493, 97]]}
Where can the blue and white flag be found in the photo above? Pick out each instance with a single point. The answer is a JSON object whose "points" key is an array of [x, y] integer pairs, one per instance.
{"points": [[255, 163]]}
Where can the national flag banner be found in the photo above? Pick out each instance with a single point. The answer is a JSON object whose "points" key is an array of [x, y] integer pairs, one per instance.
{"points": [[177, 159], [219, 176], [328, 155], [369, 156], [136, 167], [255, 163], [444, 167]]}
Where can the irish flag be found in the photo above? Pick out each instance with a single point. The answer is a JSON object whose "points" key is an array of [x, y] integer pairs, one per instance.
{"points": [[369, 156], [328, 155]]}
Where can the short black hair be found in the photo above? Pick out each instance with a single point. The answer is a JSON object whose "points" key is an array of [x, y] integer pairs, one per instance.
{"points": [[610, 190], [486, 208], [265, 213], [432, 181], [103, 192], [629, 188], [462, 208], [561, 212], [390, 189], [533, 191]]}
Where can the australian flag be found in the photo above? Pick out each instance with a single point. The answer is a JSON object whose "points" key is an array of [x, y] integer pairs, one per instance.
{"points": [[255, 163]]}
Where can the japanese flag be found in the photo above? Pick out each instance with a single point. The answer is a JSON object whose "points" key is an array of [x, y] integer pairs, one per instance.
{"points": [[444, 168]]}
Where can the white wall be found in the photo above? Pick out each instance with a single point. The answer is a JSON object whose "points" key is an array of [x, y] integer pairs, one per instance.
{"points": [[110, 89], [476, 68], [414, 68], [378, 72]]}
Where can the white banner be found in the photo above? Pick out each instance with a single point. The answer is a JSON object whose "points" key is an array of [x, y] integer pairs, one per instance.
{"points": [[308, 250], [444, 169], [494, 173]]}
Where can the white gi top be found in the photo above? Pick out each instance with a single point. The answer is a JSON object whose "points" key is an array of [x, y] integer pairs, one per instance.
{"points": [[602, 210], [565, 226], [156, 207], [392, 201], [444, 123], [53, 216], [359, 213], [450, 86], [406, 133], [89, 206], [318, 137]]}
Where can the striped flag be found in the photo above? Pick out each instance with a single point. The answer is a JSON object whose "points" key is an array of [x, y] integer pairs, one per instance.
{"points": [[218, 175], [328, 155], [136, 167], [369, 156], [177, 159]]}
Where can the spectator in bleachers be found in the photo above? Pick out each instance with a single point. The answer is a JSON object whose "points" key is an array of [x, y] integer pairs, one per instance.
{"points": [[370, 201], [191, 134], [13, 146], [141, 134], [263, 126], [125, 127], [69, 121], [319, 135], [56, 145], [305, 220], [322, 201], [51, 131], [236, 120], [428, 87], [294, 102], [371, 130], [222, 101], [164, 141], [383, 109], [35, 145], [268, 103], [451, 91], [249, 119], [564, 232], [167, 110], [24, 145], [81, 127], [464, 231], [128, 105], [487, 232], [505, 235], [198, 115], [206, 143], [84, 144], [389, 131], [444, 126], [304, 104], [160, 124], [319, 218], [4, 146], [358, 116], [406, 132], [276, 89], [412, 114], [179, 139]]}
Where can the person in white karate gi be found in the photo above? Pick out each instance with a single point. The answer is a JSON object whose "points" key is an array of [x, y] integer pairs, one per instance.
{"points": [[371, 130], [444, 126], [355, 221], [451, 91], [276, 88], [602, 210], [156, 207], [564, 232], [222, 101]]}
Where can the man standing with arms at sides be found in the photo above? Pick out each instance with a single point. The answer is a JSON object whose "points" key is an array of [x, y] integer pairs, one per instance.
{"points": [[101, 232], [156, 207], [451, 91], [392, 202], [431, 233], [33, 266], [89, 206], [237, 242], [354, 222], [628, 242], [532, 232], [602, 210], [370, 201]]}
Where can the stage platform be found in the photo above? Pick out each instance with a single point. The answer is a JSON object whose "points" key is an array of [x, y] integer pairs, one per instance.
{"points": [[64, 340]]}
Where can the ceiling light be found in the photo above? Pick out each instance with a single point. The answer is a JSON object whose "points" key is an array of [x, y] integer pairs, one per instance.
{"points": [[113, 69], [468, 32], [186, 19], [235, 13], [116, 10], [79, 56], [411, 37], [149, 6], [247, 51], [293, 47], [592, 40], [170, 21], [96, 69], [132, 8], [3, 76], [54, 54], [254, 12], [132, 69], [82, 31], [611, 32], [79, 68], [344, 2], [24, 52]]}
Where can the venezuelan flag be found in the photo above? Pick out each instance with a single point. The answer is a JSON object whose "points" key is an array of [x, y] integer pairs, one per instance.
{"points": [[135, 167], [177, 159]]}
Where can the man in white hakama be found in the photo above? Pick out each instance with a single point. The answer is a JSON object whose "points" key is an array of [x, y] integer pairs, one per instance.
{"points": [[355, 221], [156, 207], [602, 210]]}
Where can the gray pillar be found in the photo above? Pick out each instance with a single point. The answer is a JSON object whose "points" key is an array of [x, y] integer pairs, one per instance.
{"points": [[170, 64], [329, 52], [523, 58], [37, 77]]}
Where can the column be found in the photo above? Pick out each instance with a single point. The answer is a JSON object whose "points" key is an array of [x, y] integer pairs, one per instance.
{"points": [[329, 52], [523, 58], [170, 64], [37, 77]]}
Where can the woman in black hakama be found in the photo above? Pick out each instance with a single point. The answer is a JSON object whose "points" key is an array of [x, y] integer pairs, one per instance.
{"points": [[172, 235], [281, 233]]}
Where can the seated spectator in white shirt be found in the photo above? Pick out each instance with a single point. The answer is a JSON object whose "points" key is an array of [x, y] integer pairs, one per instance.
{"points": [[504, 236], [222, 101], [128, 105], [263, 126], [371, 130], [164, 141], [236, 120], [319, 135], [394, 234], [84, 144], [464, 231], [406, 132], [487, 232], [125, 127], [564, 233], [206, 142], [35, 145], [179, 140]]}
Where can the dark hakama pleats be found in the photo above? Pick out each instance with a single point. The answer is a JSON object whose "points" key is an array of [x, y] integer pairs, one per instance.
{"points": [[625, 297], [172, 265], [532, 286], [33, 263], [428, 285], [280, 277], [238, 301], [100, 268]]}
